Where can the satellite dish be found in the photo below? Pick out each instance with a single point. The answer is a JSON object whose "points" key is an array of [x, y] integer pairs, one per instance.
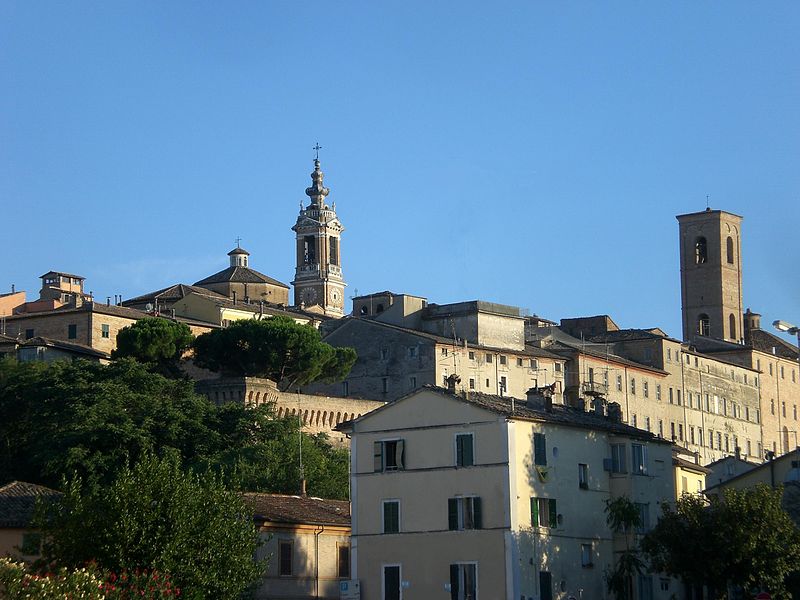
{"points": [[149, 307]]}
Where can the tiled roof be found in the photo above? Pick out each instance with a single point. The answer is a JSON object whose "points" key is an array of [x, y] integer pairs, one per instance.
{"points": [[61, 273], [628, 334], [69, 346], [565, 347], [279, 508], [764, 341], [18, 500], [239, 275], [100, 308], [173, 293]]}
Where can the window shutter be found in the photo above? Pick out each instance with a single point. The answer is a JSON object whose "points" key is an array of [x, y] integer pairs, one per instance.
{"points": [[377, 448], [459, 450], [477, 511], [454, 582], [539, 449], [400, 454], [534, 512], [452, 513], [553, 514], [469, 458]]}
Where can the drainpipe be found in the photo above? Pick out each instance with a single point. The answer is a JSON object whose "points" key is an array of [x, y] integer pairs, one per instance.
{"points": [[316, 560]]}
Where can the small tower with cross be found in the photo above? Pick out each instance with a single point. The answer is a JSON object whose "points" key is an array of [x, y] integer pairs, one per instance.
{"points": [[318, 280]]}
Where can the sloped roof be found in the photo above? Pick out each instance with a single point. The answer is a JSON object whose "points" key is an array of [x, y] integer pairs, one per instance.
{"points": [[18, 501], [622, 335], [68, 346], [239, 275], [280, 508], [561, 345], [173, 293], [62, 274], [764, 341]]}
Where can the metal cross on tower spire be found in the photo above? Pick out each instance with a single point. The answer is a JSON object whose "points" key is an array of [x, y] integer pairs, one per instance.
{"points": [[317, 148]]}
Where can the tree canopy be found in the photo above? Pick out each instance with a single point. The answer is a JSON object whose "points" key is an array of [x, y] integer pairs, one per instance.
{"points": [[277, 348], [157, 516], [743, 538], [66, 418], [154, 341]]}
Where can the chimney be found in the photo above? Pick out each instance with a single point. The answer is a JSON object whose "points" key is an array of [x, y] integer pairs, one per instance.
{"points": [[599, 407], [234, 297], [108, 300], [452, 381], [13, 289], [539, 399], [172, 312], [614, 412], [303, 487]]}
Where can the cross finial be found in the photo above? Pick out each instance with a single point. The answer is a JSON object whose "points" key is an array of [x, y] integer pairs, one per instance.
{"points": [[317, 148], [238, 239], [707, 204]]}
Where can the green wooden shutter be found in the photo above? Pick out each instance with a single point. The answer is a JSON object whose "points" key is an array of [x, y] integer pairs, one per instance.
{"points": [[477, 513], [534, 512], [454, 582], [553, 514], [469, 458], [452, 513], [459, 450], [539, 449], [377, 451], [400, 456]]}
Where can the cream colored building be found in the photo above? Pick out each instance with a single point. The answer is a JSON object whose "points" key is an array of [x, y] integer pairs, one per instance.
{"points": [[307, 541], [479, 496], [17, 505]]}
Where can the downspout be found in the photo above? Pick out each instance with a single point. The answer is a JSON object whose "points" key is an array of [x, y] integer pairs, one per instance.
{"points": [[316, 560]]}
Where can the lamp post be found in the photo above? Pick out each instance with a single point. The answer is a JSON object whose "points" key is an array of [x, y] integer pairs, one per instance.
{"points": [[791, 330]]}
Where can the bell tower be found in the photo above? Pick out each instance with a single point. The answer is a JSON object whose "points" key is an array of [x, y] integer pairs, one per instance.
{"points": [[318, 276], [711, 275]]}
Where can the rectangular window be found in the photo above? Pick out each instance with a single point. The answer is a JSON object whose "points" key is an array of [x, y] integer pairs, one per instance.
{"points": [[618, 458], [391, 516], [647, 422], [28, 334], [471, 384], [699, 436], [535, 364], [464, 450], [680, 432], [309, 250], [691, 434], [672, 435], [619, 383], [389, 455], [671, 399], [72, 331], [539, 449], [343, 566], [678, 392], [471, 355], [391, 582], [646, 389], [412, 352], [463, 581], [384, 353], [557, 367], [519, 362], [31, 544], [633, 386], [502, 359], [719, 440], [412, 381], [105, 330], [334, 250], [285, 558], [583, 476], [639, 455], [591, 375], [544, 512], [503, 384], [660, 428], [488, 358], [444, 351], [658, 391], [586, 555], [487, 382], [464, 512]]}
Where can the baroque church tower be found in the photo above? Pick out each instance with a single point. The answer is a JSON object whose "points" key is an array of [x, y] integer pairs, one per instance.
{"points": [[711, 275], [318, 276]]}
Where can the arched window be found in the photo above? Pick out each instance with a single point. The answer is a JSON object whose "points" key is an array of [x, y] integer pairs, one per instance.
{"points": [[700, 251], [729, 250], [703, 325], [363, 311], [732, 324]]}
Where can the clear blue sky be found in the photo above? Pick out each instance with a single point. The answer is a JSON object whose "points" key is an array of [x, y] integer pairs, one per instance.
{"points": [[530, 153]]}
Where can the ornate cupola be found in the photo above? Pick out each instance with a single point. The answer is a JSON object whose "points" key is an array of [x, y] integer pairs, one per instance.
{"points": [[239, 257], [318, 278]]}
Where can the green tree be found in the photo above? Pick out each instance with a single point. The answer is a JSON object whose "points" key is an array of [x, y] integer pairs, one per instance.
{"points": [[157, 516], [623, 519], [156, 342], [277, 348], [743, 538]]}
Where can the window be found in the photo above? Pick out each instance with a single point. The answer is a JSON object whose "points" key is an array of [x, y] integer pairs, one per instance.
{"points": [[633, 420], [464, 450], [699, 436], [535, 364], [309, 250], [719, 440], [463, 581], [678, 396], [644, 517], [544, 512], [72, 331], [503, 359], [285, 558], [412, 352], [503, 384], [391, 516], [384, 353], [105, 330], [487, 382], [464, 512], [700, 251], [519, 362], [545, 585], [618, 458], [672, 431], [343, 567], [488, 358], [647, 423], [539, 449], [671, 396], [471, 384], [646, 389], [680, 431], [391, 582], [633, 386], [591, 375], [703, 325], [31, 544], [334, 251], [669, 354], [471, 355], [586, 555], [619, 383], [658, 391], [557, 367], [412, 381], [639, 455], [444, 351], [28, 334], [729, 250], [389, 455], [583, 476], [660, 428]]}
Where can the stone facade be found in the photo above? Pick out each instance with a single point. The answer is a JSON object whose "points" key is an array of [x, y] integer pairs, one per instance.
{"points": [[319, 414]]}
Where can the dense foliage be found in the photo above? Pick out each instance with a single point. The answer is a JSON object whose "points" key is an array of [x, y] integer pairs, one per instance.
{"points": [[156, 342], [623, 518], [156, 516], [743, 538], [277, 348], [68, 418]]}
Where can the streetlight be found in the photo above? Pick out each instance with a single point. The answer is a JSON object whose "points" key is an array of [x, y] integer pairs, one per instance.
{"points": [[788, 328]]}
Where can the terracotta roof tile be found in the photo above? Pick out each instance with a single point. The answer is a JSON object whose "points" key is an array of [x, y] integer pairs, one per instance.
{"points": [[18, 500], [279, 508]]}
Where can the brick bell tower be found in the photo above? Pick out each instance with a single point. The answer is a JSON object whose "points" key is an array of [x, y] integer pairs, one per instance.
{"points": [[711, 275], [318, 276]]}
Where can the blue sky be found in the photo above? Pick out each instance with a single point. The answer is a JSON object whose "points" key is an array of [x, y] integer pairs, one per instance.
{"points": [[534, 153]]}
